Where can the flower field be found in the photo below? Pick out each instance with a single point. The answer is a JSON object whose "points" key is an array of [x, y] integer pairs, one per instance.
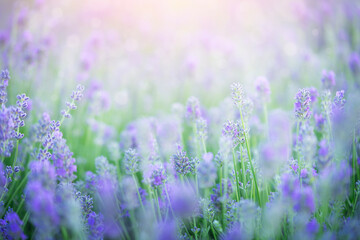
{"points": [[179, 119]]}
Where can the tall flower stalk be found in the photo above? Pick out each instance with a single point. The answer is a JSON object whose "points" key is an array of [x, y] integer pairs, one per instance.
{"points": [[238, 97]]}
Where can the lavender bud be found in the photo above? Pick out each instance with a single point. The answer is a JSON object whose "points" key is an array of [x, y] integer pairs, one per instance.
{"points": [[131, 161], [302, 105], [235, 132], [201, 126], [237, 94], [339, 101]]}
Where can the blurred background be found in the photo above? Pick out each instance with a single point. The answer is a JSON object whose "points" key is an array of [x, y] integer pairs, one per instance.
{"points": [[137, 58]]}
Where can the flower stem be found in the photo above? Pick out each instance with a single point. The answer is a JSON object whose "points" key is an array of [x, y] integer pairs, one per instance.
{"points": [[250, 159]]}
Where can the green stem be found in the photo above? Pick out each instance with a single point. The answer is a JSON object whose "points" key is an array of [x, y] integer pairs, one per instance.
{"points": [[330, 128], [213, 232], [203, 144], [237, 190], [243, 172], [194, 221], [21, 184], [16, 149], [138, 193], [224, 193], [20, 205], [25, 219], [157, 204], [250, 159], [124, 230], [152, 203], [266, 120], [64, 233], [133, 224], [355, 202]]}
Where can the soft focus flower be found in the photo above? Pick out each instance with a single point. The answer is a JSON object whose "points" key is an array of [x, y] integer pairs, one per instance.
{"points": [[183, 200], [328, 79], [339, 101], [354, 62], [302, 105], [262, 87], [207, 172], [193, 108], [11, 226]]}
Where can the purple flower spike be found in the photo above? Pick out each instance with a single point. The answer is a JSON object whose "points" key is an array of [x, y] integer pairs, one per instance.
{"points": [[328, 79], [302, 105], [131, 161], [11, 226], [339, 101], [354, 63], [158, 176], [193, 109], [183, 165], [262, 87], [235, 132]]}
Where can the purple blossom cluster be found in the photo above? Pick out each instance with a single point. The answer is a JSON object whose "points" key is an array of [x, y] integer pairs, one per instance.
{"points": [[302, 105]]}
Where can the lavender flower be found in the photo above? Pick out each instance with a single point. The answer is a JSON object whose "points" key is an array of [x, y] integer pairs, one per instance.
{"points": [[333, 173], [201, 127], [158, 176], [41, 199], [339, 101], [262, 87], [167, 230], [3, 180], [218, 159], [326, 103], [104, 169], [244, 213], [131, 161], [354, 63], [234, 232], [207, 172], [183, 200], [75, 96], [328, 79], [106, 193], [237, 94], [6, 131], [11, 226], [302, 105], [63, 160], [5, 77], [313, 94], [95, 226], [304, 200], [183, 165], [193, 109], [312, 227], [324, 153], [235, 132], [130, 195], [319, 121]]}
